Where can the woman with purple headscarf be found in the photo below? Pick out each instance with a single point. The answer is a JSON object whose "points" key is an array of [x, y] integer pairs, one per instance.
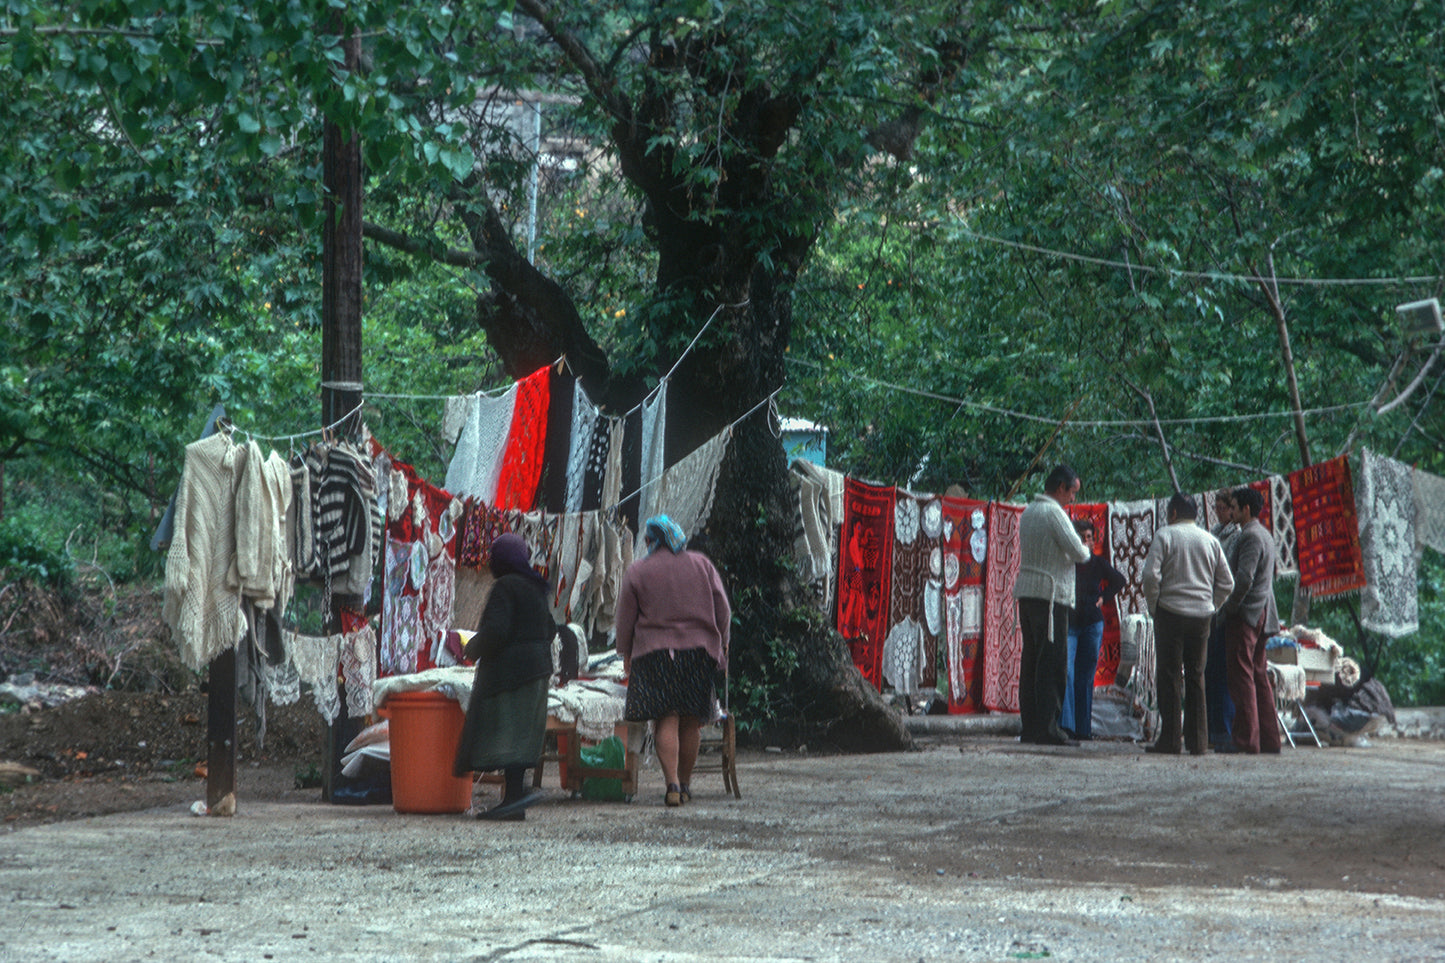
{"points": [[507, 716], [672, 633]]}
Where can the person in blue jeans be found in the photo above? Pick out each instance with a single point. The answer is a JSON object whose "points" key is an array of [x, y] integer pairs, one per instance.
{"points": [[1218, 704], [1095, 582]]}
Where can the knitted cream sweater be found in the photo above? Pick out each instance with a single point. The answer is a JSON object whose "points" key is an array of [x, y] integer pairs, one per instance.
{"points": [[202, 609], [1048, 550]]}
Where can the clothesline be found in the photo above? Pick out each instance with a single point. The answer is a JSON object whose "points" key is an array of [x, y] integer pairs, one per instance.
{"points": [[1199, 275], [303, 434], [1116, 423]]}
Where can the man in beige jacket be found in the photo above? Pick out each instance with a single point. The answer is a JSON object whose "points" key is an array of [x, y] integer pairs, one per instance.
{"points": [[1186, 580], [1049, 548]]}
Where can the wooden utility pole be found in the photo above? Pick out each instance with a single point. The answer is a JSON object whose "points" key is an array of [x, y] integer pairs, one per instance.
{"points": [[341, 384]]}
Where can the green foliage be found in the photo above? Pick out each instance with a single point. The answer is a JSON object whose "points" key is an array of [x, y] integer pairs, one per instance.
{"points": [[26, 555]]}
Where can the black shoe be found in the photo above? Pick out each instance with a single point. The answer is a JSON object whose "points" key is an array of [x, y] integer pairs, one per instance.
{"points": [[511, 810], [1059, 740], [1161, 750], [1229, 749], [492, 815]]}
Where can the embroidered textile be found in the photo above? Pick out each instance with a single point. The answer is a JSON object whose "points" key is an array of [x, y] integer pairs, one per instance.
{"points": [[454, 417], [1131, 531], [685, 491], [1385, 500], [911, 550], [1429, 510], [1137, 644], [1266, 513], [865, 567], [654, 429], [1281, 524], [283, 683], [358, 669], [316, 658], [963, 546], [1002, 639], [903, 655], [476, 463], [964, 633], [816, 541], [612, 474], [526, 443], [1326, 530], [580, 452]]}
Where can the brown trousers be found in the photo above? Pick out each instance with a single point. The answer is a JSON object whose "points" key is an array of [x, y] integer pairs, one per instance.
{"points": [[1255, 727]]}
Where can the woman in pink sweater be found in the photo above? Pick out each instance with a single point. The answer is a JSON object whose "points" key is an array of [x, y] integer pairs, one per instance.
{"points": [[672, 633]]}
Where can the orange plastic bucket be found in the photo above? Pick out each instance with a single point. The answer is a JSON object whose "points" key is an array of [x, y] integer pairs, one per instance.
{"points": [[425, 730]]}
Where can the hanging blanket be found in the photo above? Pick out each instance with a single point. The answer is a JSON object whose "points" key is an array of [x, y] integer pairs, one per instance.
{"points": [[816, 540], [1131, 531], [903, 655], [685, 491], [476, 464], [1326, 529], [580, 452], [526, 443], [964, 543], [1429, 510], [1002, 641], [1281, 526], [911, 549], [865, 565], [1385, 500], [654, 429]]}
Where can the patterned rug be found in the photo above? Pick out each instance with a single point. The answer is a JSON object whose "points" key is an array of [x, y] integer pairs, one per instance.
{"points": [[1281, 526], [964, 540], [1389, 602], [1002, 642], [911, 551], [1326, 529], [1131, 531], [865, 568]]}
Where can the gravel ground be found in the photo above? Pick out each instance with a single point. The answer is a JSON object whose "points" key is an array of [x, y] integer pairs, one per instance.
{"points": [[967, 849]]}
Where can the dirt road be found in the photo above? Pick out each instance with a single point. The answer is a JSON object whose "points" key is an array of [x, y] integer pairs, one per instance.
{"points": [[968, 849]]}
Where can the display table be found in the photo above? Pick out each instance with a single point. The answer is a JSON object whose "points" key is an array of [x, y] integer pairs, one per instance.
{"points": [[568, 756]]}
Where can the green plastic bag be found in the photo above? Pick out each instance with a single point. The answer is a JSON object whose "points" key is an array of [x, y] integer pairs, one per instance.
{"points": [[607, 754]]}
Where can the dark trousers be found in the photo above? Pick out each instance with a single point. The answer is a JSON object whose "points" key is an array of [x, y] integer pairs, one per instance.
{"points": [[1216, 687], [1180, 644], [1043, 669], [1255, 727]]}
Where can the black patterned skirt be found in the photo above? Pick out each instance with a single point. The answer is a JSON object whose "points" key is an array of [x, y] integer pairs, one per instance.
{"points": [[671, 682]]}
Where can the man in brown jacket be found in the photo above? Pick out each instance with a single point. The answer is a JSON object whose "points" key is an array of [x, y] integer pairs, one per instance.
{"points": [[1249, 620]]}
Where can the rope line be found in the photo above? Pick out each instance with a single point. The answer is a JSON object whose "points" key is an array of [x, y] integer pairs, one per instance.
{"points": [[1117, 423], [1199, 275]]}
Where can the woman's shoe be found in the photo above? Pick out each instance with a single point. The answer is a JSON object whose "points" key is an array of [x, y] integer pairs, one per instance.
{"points": [[684, 794], [674, 795]]}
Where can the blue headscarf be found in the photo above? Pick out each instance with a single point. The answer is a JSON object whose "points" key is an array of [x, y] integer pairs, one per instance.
{"points": [[662, 530]]}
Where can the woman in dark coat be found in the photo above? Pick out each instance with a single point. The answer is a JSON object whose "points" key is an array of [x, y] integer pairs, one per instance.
{"points": [[507, 716]]}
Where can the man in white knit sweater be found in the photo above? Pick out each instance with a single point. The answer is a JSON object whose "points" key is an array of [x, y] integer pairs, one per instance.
{"points": [[1049, 548], [1186, 580]]}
